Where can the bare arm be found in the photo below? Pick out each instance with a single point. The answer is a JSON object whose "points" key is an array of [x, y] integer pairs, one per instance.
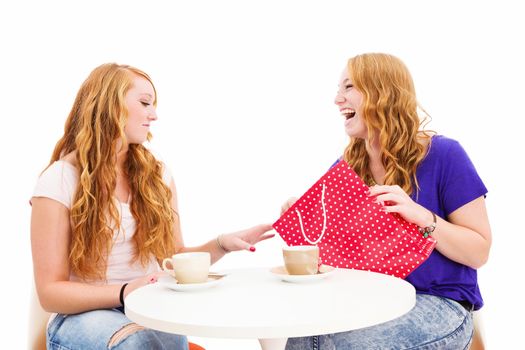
{"points": [[50, 239], [466, 236]]}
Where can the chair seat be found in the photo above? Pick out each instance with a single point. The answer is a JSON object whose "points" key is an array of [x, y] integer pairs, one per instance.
{"points": [[193, 346]]}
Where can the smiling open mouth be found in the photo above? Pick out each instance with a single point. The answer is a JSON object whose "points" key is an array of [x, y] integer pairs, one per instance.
{"points": [[348, 113]]}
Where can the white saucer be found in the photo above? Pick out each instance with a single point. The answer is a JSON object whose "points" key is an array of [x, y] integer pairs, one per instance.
{"points": [[281, 273], [171, 283]]}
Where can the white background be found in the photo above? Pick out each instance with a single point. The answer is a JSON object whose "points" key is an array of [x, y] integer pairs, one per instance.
{"points": [[246, 113]]}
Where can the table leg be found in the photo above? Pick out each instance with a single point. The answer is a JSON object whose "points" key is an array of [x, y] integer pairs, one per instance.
{"points": [[273, 344]]}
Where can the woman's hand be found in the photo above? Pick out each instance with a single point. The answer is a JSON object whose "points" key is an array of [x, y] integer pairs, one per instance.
{"points": [[288, 204], [143, 281], [395, 200], [245, 239]]}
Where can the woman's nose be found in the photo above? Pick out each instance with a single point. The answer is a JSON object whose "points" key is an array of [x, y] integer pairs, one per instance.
{"points": [[153, 115], [339, 99]]}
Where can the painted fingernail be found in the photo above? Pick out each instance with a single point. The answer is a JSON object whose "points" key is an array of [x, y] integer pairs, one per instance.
{"points": [[252, 249]]}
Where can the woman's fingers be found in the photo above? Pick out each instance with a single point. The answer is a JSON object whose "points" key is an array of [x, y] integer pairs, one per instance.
{"points": [[389, 195], [390, 198], [154, 277], [391, 208], [291, 201], [245, 239], [241, 244], [266, 236], [256, 233], [263, 228]]}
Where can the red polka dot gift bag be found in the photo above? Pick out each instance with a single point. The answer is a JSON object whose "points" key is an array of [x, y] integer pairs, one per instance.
{"points": [[350, 229]]}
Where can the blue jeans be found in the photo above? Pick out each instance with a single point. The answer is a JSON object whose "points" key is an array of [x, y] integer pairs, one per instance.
{"points": [[434, 323], [107, 329]]}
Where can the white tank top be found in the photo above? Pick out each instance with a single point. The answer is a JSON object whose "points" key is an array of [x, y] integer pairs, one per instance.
{"points": [[59, 182]]}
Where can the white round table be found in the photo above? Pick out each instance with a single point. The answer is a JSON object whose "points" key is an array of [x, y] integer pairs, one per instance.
{"points": [[254, 303]]}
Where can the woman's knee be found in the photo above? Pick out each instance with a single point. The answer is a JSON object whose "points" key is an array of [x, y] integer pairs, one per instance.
{"points": [[123, 333], [134, 336]]}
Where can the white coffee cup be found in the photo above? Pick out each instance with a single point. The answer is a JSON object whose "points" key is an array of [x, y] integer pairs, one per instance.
{"points": [[301, 259], [191, 267]]}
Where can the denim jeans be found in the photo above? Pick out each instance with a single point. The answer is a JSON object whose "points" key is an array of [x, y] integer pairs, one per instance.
{"points": [[433, 323], [99, 328]]}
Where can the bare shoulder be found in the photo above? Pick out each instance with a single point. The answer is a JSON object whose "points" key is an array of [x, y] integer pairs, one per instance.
{"points": [[70, 158]]}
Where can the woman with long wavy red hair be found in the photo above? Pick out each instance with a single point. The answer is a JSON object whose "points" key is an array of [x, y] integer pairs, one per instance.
{"points": [[104, 214], [430, 181]]}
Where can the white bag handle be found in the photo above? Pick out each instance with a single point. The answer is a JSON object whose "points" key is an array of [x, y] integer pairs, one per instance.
{"points": [[324, 220]]}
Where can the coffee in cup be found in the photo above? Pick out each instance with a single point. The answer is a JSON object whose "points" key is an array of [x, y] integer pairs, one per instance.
{"points": [[191, 267], [301, 259]]}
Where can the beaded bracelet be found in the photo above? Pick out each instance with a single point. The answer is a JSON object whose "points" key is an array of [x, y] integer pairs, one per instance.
{"points": [[427, 231], [220, 245]]}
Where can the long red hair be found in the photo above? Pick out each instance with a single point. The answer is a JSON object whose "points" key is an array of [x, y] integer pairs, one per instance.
{"points": [[389, 110], [93, 129]]}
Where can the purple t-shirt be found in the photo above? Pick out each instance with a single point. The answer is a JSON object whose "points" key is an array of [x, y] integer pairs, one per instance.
{"points": [[447, 180]]}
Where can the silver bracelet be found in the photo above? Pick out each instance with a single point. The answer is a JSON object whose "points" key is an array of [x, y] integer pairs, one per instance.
{"points": [[220, 245]]}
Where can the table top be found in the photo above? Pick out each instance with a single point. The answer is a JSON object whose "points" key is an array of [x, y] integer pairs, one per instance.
{"points": [[255, 303]]}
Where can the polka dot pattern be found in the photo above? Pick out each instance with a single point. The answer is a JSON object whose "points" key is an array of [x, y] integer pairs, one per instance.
{"points": [[357, 234]]}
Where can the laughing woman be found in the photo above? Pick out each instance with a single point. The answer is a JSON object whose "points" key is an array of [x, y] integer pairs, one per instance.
{"points": [[430, 181]]}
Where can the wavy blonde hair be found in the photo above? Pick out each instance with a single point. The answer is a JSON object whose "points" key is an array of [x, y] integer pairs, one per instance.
{"points": [[390, 111], [93, 129]]}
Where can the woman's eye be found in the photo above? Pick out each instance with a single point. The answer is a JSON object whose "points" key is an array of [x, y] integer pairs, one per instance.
{"points": [[349, 86], [145, 104]]}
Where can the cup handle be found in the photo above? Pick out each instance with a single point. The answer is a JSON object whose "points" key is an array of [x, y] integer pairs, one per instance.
{"points": [[165, 262]]}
